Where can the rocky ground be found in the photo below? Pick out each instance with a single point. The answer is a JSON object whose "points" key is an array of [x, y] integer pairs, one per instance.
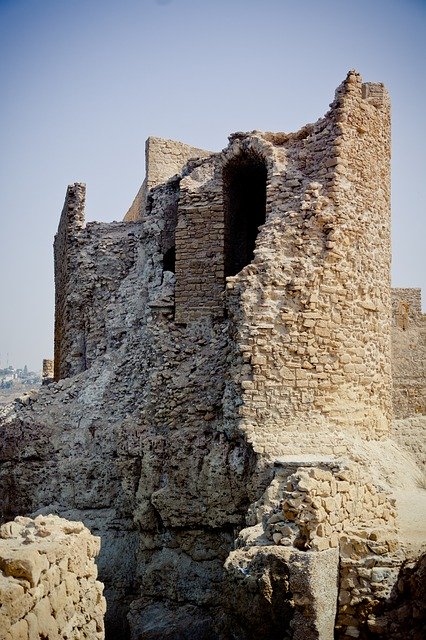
{"points": [[17, 390]]}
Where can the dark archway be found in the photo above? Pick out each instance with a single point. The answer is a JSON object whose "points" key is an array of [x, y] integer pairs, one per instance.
{"points": [[169, 260], [244, 199], [168, 236]]}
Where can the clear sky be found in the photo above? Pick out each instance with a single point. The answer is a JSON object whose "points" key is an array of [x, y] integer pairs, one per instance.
{"points": [[83, 83]]}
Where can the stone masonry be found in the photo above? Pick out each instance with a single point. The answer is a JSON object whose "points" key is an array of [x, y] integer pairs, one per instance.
{"points": [[163, 159], [409, 353], [48, 371], [226, 378], [409, 372], [48, 586]]}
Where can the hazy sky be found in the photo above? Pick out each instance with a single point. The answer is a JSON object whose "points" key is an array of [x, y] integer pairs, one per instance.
{"points": [[85, 82]]}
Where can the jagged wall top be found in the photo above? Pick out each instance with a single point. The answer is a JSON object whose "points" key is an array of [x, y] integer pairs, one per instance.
{"points": [[308, 310], [163, 159]]}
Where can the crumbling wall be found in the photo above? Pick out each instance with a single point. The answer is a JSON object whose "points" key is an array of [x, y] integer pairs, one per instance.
{"points": [[163, 160], [71, 221], [408, 353], [330, 514], [90, 263], [409, 372], [48, 585], [133, 446], [312, 311], [190, 386], [322, 503]]}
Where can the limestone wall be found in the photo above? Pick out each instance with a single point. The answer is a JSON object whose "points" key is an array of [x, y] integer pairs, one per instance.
{"points": [[48, 585], [322, 504], [343, 508], [163, 160], [318, 507], [312, 311], [91, 261], [408, 353], [71, 221]]}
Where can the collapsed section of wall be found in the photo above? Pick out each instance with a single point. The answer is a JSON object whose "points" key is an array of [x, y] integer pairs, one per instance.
{"points": [[163, 160], [312, 310], [335, 532], [91, 262], [48, 585]]}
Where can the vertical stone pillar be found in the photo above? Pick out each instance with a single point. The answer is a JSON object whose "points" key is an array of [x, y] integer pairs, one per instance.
{"points": [[72, 220], [47, 371]]}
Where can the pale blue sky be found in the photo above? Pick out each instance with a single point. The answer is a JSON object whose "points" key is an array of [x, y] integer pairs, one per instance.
{"points": [[85, 82]]}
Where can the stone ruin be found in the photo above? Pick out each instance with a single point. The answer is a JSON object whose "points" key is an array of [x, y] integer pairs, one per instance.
{"points": [[238, 404], [48, 585]]}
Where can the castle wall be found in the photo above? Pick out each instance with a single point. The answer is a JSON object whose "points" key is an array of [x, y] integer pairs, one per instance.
{"points": [[71, 221], [408, 353], [191, 386], [48, 585], [163, 160], [312, 311], [90, 263]]}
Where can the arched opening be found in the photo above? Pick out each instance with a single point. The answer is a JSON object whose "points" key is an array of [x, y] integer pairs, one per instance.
{"points": [[168, 236], [244, 199], [169, 260]]}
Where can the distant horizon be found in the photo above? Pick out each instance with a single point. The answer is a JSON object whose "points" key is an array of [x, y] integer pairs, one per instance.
{"points": [[30, 370], [84, 84]]}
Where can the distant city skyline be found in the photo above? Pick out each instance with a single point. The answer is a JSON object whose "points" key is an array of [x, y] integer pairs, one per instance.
{"points": [[5, 364], [85, 83]]}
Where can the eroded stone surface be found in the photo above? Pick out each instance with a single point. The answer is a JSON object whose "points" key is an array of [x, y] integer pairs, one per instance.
{"points": [[48, 585]]}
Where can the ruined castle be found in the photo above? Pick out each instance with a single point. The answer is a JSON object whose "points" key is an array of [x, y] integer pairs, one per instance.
{"points": [[238, 401]]}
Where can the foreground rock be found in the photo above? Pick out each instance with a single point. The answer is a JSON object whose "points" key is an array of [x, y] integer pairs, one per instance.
{"points": [[48, 585]]}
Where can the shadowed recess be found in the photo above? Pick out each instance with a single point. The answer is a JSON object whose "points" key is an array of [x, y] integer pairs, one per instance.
{"points": [[244, 198]]}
